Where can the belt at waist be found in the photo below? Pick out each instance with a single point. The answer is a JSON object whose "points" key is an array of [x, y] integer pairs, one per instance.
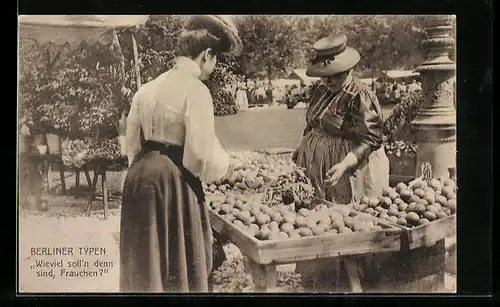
{"points": [[175, 153], [158, 146]]}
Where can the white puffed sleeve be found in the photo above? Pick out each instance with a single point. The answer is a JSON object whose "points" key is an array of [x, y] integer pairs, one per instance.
{"points": [[132, 133], [204, 155]]}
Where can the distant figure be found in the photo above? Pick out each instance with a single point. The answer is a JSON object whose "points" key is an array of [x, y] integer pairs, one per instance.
{"points": [[241, 97], [402, 87], [269, 92], [396, 94], [250, 92], [413, 87], [377, 86], [260, 93]]}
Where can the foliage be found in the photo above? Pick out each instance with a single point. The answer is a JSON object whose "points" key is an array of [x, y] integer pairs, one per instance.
{"points": [[224, 103], [400, 147], [71, 93], [270, 44], [281, 43], [156, 44], [384, 42], [397, 130], [402, 115], [225, 72], [77, 153]]}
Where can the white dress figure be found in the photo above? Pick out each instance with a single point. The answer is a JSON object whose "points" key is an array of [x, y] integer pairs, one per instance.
{"points": [[242, 99]]}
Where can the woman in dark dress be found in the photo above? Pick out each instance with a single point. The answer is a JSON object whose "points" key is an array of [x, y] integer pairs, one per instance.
{"points": [[341, 148], [165, 233]]}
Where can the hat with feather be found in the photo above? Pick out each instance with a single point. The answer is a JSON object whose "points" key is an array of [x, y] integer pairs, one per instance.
{"points": [[333, 56]]}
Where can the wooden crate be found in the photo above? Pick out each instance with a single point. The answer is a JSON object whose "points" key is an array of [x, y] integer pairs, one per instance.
{"points": [[424, 235], [428, 234], [308, 248]]}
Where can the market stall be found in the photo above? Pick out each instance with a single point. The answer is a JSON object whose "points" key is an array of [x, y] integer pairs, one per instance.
{"points": [[63, 33], [269, 212], [406, 225]]}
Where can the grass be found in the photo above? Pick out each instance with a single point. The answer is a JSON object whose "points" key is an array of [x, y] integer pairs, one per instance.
{"points": [[272, 128], [255, 130]]}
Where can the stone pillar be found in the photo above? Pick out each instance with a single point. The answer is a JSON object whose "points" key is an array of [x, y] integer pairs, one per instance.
{"points": [[435, 123]]}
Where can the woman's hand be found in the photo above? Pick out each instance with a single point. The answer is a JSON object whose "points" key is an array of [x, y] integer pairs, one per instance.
{"points": [[335, 173], [232, 165], [338, 170]]}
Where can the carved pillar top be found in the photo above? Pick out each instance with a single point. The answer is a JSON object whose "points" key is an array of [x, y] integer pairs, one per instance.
{"points": [[438, 44], [436, 118]]}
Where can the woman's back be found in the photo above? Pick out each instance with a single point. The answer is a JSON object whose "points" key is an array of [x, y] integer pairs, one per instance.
{"points": [[163, 104]]}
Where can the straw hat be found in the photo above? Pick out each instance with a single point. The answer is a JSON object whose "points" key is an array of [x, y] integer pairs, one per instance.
{"points": [[333, 56], [220, 26]]}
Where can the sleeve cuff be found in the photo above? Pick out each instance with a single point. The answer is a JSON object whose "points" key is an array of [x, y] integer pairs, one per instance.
{"points": [[362, 151], [217, 166]]}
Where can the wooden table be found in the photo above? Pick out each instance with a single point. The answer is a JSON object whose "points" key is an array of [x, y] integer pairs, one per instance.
{"points": [[77, 176], [262, 257], [33, 180], [100, 166]]}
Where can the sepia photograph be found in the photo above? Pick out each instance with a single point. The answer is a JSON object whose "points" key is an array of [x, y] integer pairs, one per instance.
{"points": [[236, 154]]}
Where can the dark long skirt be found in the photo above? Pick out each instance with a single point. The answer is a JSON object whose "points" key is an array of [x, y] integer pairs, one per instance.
{"points": [[318, 153], [165, 234]]}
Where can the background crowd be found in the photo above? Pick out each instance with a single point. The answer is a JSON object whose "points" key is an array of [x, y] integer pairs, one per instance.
{"points": [[90, 94]]}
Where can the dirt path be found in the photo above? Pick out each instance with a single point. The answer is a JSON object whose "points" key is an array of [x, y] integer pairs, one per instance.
{"points": [[66, 226]]}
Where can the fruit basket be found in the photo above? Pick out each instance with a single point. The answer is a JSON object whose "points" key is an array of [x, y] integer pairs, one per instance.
{"points": [[424, 209], [278, 235]]}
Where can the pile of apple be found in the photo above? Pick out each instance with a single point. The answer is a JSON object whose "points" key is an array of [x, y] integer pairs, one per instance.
{"points": [[420, 202], [281, 222], [251, 173], [242, 180]]}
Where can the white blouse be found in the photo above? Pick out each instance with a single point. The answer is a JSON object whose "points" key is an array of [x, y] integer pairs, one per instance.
{"points": [[177, 108]]}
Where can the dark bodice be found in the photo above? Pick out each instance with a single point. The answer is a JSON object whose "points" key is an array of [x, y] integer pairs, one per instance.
{"points": [[353, 113]]}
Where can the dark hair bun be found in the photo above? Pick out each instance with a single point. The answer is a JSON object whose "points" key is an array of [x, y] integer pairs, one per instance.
{"points": [[220, 26]]}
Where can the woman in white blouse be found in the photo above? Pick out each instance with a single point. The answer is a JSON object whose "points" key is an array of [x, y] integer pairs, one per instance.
{"points": [[166, 238]]}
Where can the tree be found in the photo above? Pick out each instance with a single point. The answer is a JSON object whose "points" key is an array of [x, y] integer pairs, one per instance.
{"points": [[384, 41], [156, 42], [271, 44]]}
